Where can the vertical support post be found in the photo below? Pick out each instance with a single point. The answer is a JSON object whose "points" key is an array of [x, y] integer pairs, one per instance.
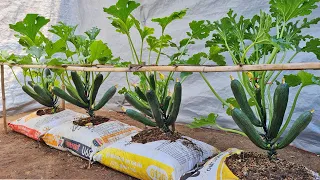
{"points": [[63, 103], [4, 110]]}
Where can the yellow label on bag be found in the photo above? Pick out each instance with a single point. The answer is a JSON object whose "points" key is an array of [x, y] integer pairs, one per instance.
{"points": [[135, 165], [224, 172], [30, 116], [50, 139]]}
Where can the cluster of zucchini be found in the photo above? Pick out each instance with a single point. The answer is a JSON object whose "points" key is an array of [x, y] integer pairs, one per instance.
{"points": [[83, 95], [163, 110], [42, 93], [247, 121]]}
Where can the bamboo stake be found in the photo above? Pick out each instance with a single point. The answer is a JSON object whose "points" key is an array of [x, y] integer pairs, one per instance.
{"points": [[63, 102], [182, 68], [4, 110]]}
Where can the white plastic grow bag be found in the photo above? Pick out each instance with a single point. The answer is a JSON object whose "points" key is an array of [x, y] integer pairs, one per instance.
{"points": [[85, 141], [35, 126], [154, 160]]}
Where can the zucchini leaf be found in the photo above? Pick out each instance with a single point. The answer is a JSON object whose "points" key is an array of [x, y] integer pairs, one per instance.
{"points": [[63, 31], [234, 103], [93, 33], [122, 9], [99, 50], [304, 78], [199, 29], [313, 46], [204, 121], [57, 62], [146, 31], [4, 55], [215, 56], [165, 21], [122, 27], [52, 48], [292, 80], [196, 58], [36, 51], [289, 9], [30, 26], [153, 43], [292, 33], [185, 42]]}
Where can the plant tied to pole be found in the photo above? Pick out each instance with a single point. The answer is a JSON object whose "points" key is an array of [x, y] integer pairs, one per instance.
{"points": [[165, 114], [82, 88], [153, 88], [249, 123], [43, 84], [38, 83], [272, 37]]}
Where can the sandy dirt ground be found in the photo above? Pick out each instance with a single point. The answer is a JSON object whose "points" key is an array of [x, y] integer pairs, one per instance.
{"points": [[22, 157]]}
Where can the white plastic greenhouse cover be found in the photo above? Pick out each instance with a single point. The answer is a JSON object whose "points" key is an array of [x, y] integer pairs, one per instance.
{"points": [[197, 97]]}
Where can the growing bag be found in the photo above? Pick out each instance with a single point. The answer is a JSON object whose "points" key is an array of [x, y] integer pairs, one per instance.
{"points": [[154, 160], [216, 168], [35, 126], [85, 141]]}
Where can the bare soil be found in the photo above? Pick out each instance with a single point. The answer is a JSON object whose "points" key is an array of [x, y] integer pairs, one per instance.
{"points": [[96, 120], [252, 166], [22, 157], [154, 134], [45, 111]]}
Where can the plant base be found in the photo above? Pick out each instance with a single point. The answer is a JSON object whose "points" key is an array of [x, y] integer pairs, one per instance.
{"points": [[45, 111], [156, 134], [250, 165], [96, 120]]}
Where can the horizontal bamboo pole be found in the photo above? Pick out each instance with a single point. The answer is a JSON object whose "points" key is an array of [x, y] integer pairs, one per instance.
{"points": [[181, 68]]}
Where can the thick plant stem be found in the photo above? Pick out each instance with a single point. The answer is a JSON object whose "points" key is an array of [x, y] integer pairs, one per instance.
{"points": [[42, 79], [133, 48], [149, 56], [245, 52], [68, 79], [91, 113], [185, 47], [164, 94], [15, 76], [231, 130], [30, 77], [279, 72], [141, 48], [272, 154], [263, 77], [234, 59], [213, 91], [269, 75], [270, 103], [246, 84], [106, 76], [127, 79]]}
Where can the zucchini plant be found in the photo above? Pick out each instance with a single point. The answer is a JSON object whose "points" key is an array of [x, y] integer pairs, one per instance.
{"points": [[38, 83], [124, 21], [69, 48], [273, 37], [165, 115], [82, 88], [248, 122], [84, 92]]}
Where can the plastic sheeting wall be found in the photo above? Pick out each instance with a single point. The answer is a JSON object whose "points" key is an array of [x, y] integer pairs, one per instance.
{"points": [[197, 100]]}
